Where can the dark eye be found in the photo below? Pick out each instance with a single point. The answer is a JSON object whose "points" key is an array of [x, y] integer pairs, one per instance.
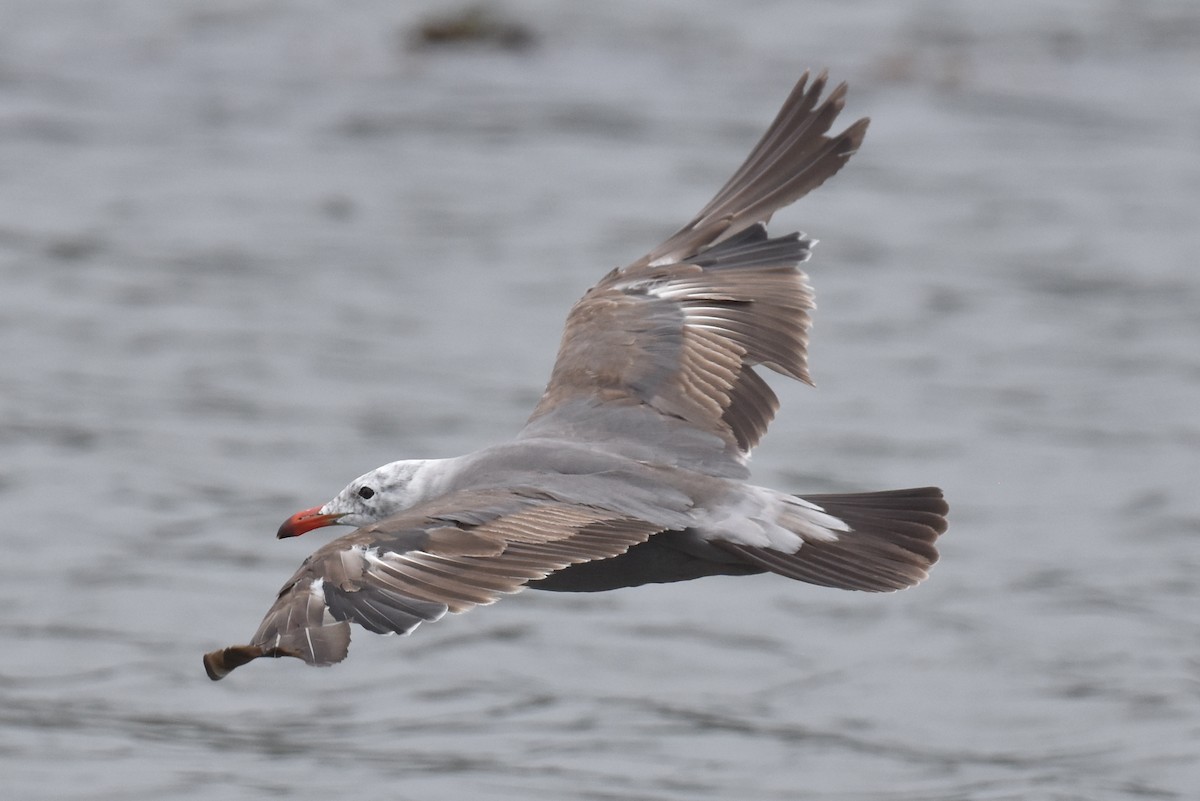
{"points": [[366, 492]]}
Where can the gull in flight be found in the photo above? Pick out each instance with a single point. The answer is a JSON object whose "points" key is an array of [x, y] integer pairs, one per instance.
{"points": [[632, 468]]}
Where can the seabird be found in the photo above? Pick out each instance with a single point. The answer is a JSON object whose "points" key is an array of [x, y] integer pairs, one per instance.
{"points": [[632, 468]]}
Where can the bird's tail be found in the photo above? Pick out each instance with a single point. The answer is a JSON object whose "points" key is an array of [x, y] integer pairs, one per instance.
{"points": [[887, 541]]}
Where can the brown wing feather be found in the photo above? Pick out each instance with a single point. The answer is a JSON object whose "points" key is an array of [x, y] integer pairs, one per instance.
{"points": [[680, 330], [791, 159], [412, 568]]}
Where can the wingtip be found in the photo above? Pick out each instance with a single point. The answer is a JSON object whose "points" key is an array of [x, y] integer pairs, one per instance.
{"points": [[220, 663], [853, 136]]}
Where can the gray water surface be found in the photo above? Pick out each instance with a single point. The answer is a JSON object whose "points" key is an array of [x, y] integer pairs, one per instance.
{"points": [[249, 250]]}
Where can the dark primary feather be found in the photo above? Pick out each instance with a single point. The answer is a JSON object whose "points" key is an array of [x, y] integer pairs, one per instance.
{"points": [[791, 159]]}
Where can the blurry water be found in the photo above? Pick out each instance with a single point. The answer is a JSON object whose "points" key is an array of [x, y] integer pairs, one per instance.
{"points": [[250, 250]]}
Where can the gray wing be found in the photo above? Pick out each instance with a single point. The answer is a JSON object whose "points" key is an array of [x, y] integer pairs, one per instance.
{"points": [[461, 550], [679, 331]]}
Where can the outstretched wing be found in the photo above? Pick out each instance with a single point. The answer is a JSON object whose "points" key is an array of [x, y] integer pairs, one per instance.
{"points": [[679, 331], [461, 550]]}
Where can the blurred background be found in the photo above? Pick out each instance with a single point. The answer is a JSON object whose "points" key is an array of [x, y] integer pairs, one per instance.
{"points": [[250, 250]]}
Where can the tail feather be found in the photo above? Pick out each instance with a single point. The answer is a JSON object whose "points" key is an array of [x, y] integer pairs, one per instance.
{"points": [[890, 544]]}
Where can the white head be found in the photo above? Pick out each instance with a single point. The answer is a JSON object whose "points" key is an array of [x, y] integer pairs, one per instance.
{"points": [[371, 497]]}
